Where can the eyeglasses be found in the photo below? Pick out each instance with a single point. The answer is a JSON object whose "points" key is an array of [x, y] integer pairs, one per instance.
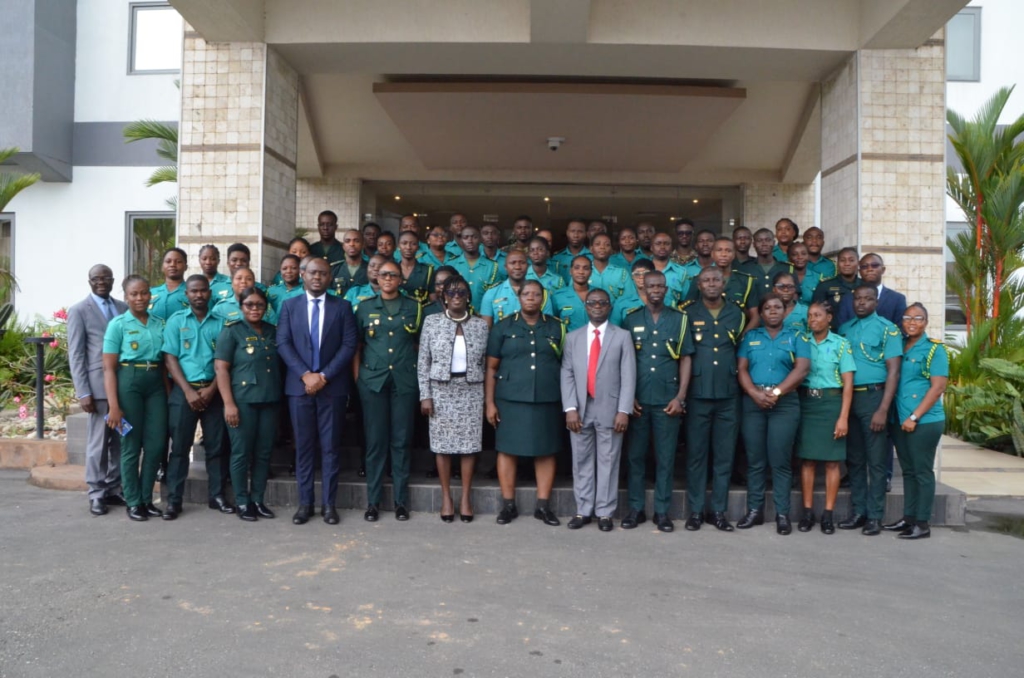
{"points": [[684, 232], [596, 303], [389, 274], [254, 305], [786, 286], [102, 278], [457, 293], [872, 264], [914, 318]]}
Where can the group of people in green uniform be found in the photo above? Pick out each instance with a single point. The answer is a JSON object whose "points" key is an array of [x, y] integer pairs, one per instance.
{"points": [[805, 361]]}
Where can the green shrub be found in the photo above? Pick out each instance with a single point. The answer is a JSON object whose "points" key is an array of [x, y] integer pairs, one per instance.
{"points": [[18, 367], [988, 411]]}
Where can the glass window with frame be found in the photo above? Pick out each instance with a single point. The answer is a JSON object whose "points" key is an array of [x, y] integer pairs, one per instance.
{"points": [[963, 46], [154, 44], [7, 279], [150, 234]]}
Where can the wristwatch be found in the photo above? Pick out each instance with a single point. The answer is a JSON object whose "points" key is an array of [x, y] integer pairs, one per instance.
{"points": [[913, 417], [776, 391]]}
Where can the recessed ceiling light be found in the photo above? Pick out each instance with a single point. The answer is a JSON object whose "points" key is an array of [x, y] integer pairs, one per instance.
{"points": [[398, 197], [695, 201], [547, 199]]}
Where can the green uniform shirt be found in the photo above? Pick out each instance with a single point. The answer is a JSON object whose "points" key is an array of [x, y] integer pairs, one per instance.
{"points": [[428, 258], [771, 360], [193, 343], [432, 308], [659, 346], [500, 302], [230, 310], [164, 304], [357, 295], [824, 267], [741, 289], [763, 278], [779, 254], [569, 308], [422, 250], [807, 287], [618, 259], [564, 260], [220, 288], [629, 302], [834, 289], [678, 280], [419, 283], [334, 254], [714, 340], [550, 280], [692, 268], [344, 280], [925, 359], [797, 319], [829, 359], [132, 341], [873, 340], [614, 280], [389, 343], [481, 276], [255, 369], [531, 359], [279, 293]]}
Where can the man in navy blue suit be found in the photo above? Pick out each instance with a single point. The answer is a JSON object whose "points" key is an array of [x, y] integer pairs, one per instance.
{"points": [[316, 338], [891, 304]]}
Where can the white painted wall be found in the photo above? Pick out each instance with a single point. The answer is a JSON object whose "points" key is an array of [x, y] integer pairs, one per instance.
{"points": [[104, 92], [62, 229], [1002, 61]]}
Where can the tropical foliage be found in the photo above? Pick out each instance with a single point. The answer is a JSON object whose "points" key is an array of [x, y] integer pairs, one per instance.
{"points": [[18, 373], [11, 184], [166, 137]]}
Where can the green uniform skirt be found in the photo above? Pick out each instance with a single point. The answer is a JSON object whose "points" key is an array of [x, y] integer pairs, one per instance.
{"points": [[817, 427], [529, 429]]}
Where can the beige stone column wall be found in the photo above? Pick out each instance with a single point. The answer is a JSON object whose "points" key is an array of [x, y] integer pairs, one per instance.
{"points": [[339, 194], [237, 150], [764, 204], [891, 186]]}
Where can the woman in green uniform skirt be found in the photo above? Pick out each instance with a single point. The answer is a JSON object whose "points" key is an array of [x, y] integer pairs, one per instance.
{"points": [[825, 399], [133, 374], [523, 398], [795, 316], [249, 380], [921, 420]]}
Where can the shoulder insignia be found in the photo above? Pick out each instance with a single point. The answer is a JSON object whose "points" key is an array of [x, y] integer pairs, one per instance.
{"points": [[229, 323], [684, 304], [936, 341]]}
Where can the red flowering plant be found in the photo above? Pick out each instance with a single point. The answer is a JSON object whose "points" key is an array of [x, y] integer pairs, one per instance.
{"points": [[18, 373]]}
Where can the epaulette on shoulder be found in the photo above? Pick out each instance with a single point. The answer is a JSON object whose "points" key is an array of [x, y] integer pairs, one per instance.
{"points": [[742, 273], [638, 309], [685, 304], [229, 323], [831, 277], [936, 341]]}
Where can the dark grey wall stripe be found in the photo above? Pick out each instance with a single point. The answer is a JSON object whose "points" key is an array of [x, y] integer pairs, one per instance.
{"points": [[102, 144]]}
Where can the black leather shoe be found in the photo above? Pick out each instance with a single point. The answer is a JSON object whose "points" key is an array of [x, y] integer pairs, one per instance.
{"points": [[694, 521], [115, 500], [262, 510], [303, 515], [220, 504], [915, 532], [853, 522], [372, 513], [152, 511], [633, 518], [753, 517], [138, 513], [401, 513], [578, 521], [663, 522], [247, 512], [782, 525], [806, 523], [171, 512], [330, 515], [719, 520], [827, 526], [97, 507], [548, 516], [507, 514], [872, 527], [899, 525], [605, 524]]}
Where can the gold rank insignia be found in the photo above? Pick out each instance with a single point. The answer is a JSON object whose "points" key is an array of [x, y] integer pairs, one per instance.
{"points": [[187, 345], [135, 346], [698, 336], [249, 350]]}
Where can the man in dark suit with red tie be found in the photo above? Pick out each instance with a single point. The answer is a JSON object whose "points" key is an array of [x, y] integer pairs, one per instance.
{"points": [[316, 338]]}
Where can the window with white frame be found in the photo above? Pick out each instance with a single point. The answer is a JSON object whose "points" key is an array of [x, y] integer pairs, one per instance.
{"points": [[963, 46], [155, 40]]}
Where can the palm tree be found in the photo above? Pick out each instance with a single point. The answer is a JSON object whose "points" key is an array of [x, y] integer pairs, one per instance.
{"points": [[167, 148], [11, 184]]}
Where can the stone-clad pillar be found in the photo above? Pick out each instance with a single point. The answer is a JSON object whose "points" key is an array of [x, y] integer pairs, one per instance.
{"points": [[764, 204], [338, 194], [238, 141], [883, 166]]}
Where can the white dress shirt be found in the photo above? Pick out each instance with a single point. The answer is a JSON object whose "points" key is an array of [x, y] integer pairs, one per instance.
{"points": [[309, 315]]}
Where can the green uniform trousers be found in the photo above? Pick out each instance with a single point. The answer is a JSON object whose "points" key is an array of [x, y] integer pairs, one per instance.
{"points": [[711, 428], [143, 400], [252, 441], [769, 436], [388, 426], [866, 457], [183, 420], [917, 459], [665, 430]]}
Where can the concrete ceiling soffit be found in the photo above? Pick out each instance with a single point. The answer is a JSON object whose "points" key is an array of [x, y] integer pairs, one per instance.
{"points": [[506, 126], [907, 24], [565, 21], [224, 20], [803, 159], [309, 163]]}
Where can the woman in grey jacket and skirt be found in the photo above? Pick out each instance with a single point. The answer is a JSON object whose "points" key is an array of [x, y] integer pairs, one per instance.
{"points": [[451, 378]]}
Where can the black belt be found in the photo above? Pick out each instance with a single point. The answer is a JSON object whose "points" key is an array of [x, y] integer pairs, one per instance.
{"points": [[200, 384], [869, 387], [821, 392], [458, 374], [143, 365]]}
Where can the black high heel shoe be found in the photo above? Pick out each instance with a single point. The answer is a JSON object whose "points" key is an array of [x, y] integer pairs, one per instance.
{"points": [[450, 518], [466, 519]]}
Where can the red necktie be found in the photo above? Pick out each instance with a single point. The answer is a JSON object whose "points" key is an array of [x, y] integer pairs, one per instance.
{"points": [[595, 355]]}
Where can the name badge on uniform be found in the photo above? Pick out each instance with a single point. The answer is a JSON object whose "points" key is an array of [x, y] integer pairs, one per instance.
{"points": [[698, 323], [639, 329], [754, 343]]}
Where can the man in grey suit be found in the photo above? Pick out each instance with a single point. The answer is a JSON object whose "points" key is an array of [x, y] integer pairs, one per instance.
{"points": [[87, 322], [598, 384]]}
